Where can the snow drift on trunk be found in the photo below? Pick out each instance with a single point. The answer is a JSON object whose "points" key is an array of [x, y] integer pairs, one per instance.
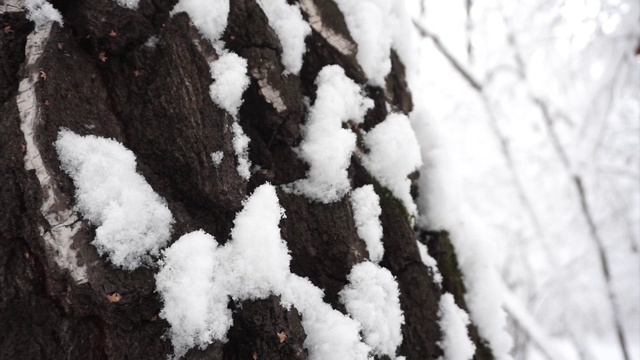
{"points": [[455, 343], [440, 210], [42, 12], [326, 146], [291, 28], [394, 154], [366, 214], [230, 80], [209, 16], [377, 26], [133, 222], [194, 303], [198, 276], [372, 298]]}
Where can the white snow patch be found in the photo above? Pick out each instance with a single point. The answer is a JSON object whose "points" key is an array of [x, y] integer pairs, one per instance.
{"points": [[216, 158], [429, 262], [366, 213], [326, 146], [195, 305], [209, 16], [330, 334], [377, 25], [256, 261], [42, 12], [254, 264], [439, 186], [230, 80], [63, 221], [291, 29], [133, 222], [152, 41], [394, 154], [455, 342], [440, 210], [241, 147], [372, 298], [129, 4]]}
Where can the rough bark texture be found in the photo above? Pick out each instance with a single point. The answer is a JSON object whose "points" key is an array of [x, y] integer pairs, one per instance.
{"points": [[96, 76]]}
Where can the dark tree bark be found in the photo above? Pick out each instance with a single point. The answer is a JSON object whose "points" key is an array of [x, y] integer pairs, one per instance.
{"points": [[94, 76]]}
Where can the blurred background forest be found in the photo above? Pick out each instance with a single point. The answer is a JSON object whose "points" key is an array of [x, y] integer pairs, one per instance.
{"points": [[541, 105]]}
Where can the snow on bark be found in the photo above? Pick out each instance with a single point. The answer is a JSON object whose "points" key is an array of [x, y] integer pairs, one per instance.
{"points": [[377, 26], [330, 334], [229, 71], [366, 214], [430, 262], [326, 146], [440, 210], [133, 222], [291, 29], [230, 80], [455, 342], [41, 12], [394, 154], [63, 221], [209, 16], [216, 158], [197, 276], [372, 298], [129, 4], [195, 305]]}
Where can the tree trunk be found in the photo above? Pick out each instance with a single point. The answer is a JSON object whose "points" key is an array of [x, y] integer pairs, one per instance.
{"points": [[96, 76]]}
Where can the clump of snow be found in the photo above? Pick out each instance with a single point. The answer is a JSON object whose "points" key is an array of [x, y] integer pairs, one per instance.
{"points": [[195, 305], [129, 4], [394, 154], [216, 158], [197, 277], [229, 72], [133, 222], [330, 334], [209, 16], [241, 147], [366, 212], [291, 28], [440, 210], [377, 26], [256, 260], [455, 343], [230, 80], [152, 41], [326, 146], [439, 188], [430, 262], [42, 12], [372, 298]]}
